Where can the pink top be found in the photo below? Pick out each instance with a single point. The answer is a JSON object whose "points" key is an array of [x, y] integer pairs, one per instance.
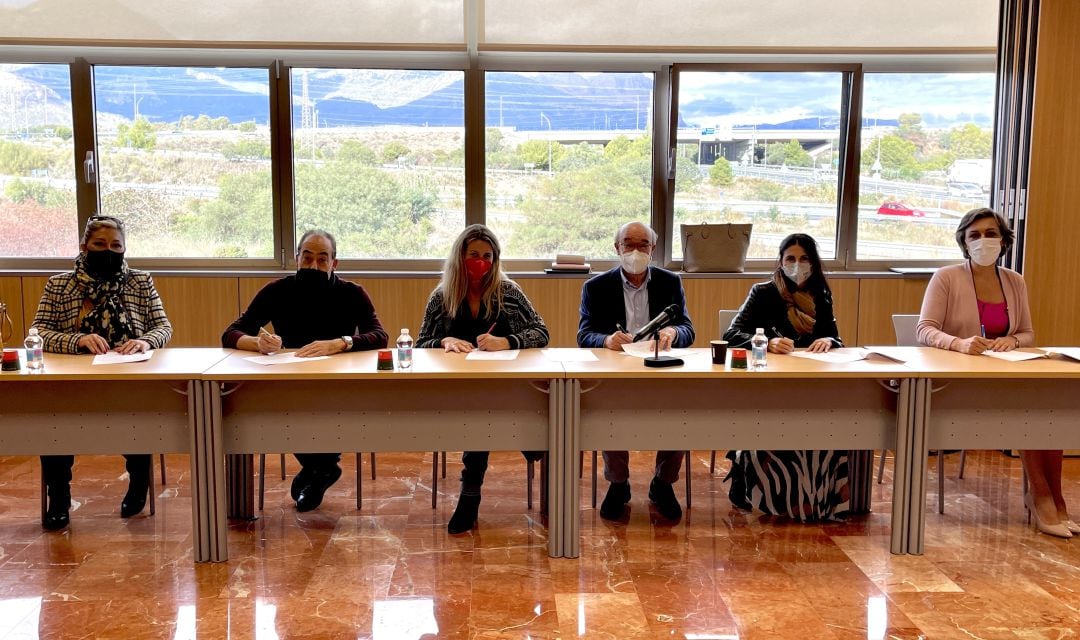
{"points": [[994, 317], [950, 309]]}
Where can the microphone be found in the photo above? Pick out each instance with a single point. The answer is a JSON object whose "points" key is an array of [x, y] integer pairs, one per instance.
{"points": [[661, 320]]}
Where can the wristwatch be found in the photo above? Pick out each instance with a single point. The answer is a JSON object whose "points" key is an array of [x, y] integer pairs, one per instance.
{"points": [[348, 342]]}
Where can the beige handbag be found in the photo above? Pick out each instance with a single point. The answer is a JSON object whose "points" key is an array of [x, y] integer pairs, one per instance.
{"points": [[715, 248]]}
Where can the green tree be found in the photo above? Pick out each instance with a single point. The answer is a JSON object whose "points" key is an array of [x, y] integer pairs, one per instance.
{"points": [[394, 151], [970, 142], [721, 174], [138, 135], [910, 129], [63, 132], [358, 153], [897, 157], [580, 156], [246, 150], [537, 152], [23, 190], [17, 159], [493, 140], [578, 211], [247, 127]]}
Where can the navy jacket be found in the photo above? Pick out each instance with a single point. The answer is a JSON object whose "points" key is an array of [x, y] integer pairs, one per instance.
{"points": [[602, 306]]}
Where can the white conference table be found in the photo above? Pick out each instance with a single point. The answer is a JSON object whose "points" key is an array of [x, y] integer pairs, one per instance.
{"points": [[444, 402], [616, 403], [979, 402], [74, 407]]}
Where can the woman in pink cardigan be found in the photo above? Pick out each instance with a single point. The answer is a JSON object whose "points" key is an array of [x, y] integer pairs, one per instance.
{"points": [[978, 306]]}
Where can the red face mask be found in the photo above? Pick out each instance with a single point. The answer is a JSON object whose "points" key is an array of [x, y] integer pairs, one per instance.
{"points": [[477, 268]]}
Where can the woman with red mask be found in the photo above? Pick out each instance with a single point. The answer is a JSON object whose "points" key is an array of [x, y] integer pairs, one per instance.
{"points": [[475, 306]]}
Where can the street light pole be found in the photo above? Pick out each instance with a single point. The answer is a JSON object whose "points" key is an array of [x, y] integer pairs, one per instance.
{"points": [[542, 119]]}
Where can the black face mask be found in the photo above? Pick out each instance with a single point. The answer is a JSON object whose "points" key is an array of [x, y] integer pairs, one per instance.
{"points": [[313, 277], [104, 263]]}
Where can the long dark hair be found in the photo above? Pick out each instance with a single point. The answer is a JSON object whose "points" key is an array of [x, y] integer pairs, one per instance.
{"points": [[816, 282]]}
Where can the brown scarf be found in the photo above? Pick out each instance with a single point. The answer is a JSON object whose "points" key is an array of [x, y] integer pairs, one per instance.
{"points": [[801, 311]]}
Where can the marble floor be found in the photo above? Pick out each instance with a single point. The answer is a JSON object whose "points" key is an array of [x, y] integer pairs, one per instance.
{"points": [[391, 570]]}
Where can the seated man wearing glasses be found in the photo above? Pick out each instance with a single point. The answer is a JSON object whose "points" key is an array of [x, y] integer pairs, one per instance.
{"points": [[316, 313], [615, 305]]}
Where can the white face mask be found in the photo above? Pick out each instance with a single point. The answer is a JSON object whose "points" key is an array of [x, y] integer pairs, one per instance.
{"points": [[798, 271], [634, 262], [984, 251]]}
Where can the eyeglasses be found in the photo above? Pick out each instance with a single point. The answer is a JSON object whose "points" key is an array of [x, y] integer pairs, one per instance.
{"points": [[636, 246]]}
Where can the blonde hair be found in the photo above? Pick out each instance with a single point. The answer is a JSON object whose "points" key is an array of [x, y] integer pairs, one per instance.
{"points": [[454, 284]]}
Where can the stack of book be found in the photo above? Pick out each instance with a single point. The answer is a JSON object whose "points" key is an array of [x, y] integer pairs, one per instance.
{"points": [[567, 263]]}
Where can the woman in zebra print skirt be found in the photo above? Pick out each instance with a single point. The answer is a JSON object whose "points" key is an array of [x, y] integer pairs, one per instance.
{"points": [[795, 307]]}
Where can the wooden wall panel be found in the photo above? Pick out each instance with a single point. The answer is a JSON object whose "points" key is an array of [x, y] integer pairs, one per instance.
{"points": [[846, 309], [558, 301], [706, 297], [400, 302], [1051, 250], [879, 299], [198, 308], [32, 288], [11, 295], [201, 308]]}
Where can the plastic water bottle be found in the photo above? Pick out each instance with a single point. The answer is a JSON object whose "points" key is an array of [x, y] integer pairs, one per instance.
{"points": [[35, 356], [404, 349], [759, 346]]}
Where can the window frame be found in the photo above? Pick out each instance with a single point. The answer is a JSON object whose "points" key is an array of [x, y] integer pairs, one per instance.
{"points": [[663, 66]]}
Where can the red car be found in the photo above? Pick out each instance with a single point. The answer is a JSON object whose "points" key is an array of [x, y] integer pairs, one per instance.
{"points": [[899, 209]]}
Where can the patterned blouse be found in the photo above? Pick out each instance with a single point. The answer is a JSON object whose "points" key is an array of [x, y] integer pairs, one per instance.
{"points": [[518, 322], [58, 314]]}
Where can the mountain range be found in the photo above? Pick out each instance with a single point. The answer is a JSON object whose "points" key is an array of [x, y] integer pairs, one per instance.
{"points": [[40, 94]]}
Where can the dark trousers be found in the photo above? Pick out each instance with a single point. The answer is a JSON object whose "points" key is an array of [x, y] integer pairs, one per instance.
{"points": [[56, 470], [318, 462], [617, 466], [476, 464]]}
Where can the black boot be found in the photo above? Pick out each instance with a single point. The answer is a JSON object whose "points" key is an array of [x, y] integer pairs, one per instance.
{"points": [[56, 517], [138, 486], [464, 517], [737, 491]]}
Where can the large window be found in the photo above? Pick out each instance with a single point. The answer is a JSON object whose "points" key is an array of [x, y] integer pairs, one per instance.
{"points": [[37, 187], [763, 148], [185, 159], [926, 159], [379, 159], [569, 159]]}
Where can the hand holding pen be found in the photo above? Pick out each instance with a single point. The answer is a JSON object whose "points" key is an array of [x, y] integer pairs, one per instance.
{"points": [[268, 342], [616, 340], [487, 342], [780, 344]]}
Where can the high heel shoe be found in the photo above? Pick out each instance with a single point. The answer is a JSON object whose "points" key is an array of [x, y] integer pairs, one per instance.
{"points": [[138, 490], [1071, 525], [1060, 529], [57, 516]]}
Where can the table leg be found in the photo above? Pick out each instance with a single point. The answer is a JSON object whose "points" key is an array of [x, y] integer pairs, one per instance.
{"points": [[555, 462], [572, 447], [920, 429], [901, 501]]}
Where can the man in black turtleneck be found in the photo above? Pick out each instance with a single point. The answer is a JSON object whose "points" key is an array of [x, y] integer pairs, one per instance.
{"points": [[318, 314]]}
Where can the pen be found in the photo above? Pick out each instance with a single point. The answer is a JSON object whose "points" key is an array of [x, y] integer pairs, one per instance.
{"points": [[491, 328], [618, 327], [263, 331], [777, 332], [982, 330]]}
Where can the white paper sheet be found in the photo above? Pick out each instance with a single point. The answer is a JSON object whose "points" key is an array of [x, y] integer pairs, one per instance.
{"points": [[284, 357], [1014, 356], [569, 355], [835, 356], [113, 357], [1069, 352], [888, 353], [509, 354], [646, 349]]}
